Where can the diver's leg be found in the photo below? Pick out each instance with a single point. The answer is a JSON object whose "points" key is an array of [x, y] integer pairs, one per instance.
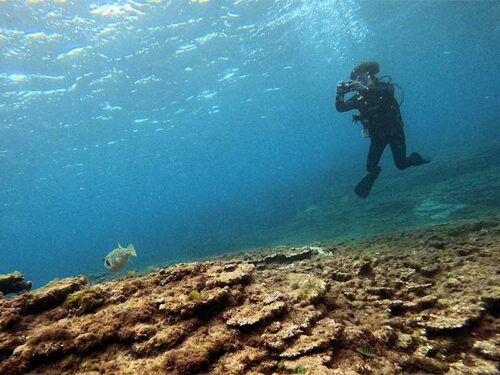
{"points": [[398, 148], [377, 147]]}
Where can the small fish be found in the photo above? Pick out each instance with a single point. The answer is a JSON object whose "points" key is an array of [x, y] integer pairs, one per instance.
{"points": [[367, 352], [118, 258]]}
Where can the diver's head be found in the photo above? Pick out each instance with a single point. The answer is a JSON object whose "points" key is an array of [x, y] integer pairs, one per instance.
{"points": [[365, 79], [365, 72]]}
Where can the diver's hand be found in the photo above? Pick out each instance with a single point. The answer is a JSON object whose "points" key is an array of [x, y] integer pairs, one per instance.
{"points": [[341, 88], [358, 86]]}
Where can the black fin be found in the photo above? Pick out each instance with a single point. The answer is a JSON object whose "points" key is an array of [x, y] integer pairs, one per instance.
{"points": [[365, 185]]}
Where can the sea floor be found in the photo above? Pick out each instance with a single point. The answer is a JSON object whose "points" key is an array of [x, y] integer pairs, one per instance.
{"points": [[421, 301], [455, 186]]}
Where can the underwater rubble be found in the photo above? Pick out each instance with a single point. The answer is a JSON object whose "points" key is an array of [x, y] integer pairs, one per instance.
{"points": [[416, 302]]}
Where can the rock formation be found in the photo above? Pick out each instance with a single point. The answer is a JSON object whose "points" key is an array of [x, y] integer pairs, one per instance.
{"points": [[392, 304]]}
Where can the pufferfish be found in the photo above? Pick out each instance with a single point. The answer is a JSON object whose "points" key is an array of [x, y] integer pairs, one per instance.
{"points": [[118, 257]]}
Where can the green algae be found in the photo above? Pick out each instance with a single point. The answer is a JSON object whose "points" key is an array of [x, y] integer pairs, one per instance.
{"points": [[193, 296]]}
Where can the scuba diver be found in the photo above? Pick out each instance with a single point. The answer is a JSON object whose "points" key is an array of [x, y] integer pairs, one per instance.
{"points": [[381, 119]]}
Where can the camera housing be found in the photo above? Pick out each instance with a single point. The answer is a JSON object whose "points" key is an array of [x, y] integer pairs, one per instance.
{"points": [[345, 86]]}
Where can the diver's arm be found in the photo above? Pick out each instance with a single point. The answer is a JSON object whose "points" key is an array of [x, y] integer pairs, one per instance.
{"points": [[344, 106]]}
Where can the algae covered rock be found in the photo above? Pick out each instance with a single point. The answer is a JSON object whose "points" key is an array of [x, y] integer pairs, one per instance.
{"points": [[193, 302], [383, 305], [13, 283], [293, 255], [252, 314], [85, 301], [51, 295], [306, 289], [321, 336], [229, 275], [488, 349], [296, 322], [456, 317]]}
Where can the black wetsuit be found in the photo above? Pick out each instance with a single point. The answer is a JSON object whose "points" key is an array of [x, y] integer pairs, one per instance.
{"points": [[380, 114]]}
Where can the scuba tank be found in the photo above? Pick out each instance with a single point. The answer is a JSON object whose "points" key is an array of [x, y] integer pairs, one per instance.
{"points": [[388, 80]]}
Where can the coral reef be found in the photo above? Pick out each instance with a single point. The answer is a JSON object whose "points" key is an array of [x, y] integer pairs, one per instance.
{"points": [[13, 283], [416, 302]]}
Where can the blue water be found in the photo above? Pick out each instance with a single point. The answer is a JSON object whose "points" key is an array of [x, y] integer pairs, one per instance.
{"points": [[192, 128]]}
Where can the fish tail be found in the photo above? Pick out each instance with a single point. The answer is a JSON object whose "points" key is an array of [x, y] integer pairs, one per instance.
{"points": [[131, 250]]}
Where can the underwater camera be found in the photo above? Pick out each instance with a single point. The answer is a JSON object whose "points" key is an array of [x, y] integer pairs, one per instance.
{"points": [[345, 86]]}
